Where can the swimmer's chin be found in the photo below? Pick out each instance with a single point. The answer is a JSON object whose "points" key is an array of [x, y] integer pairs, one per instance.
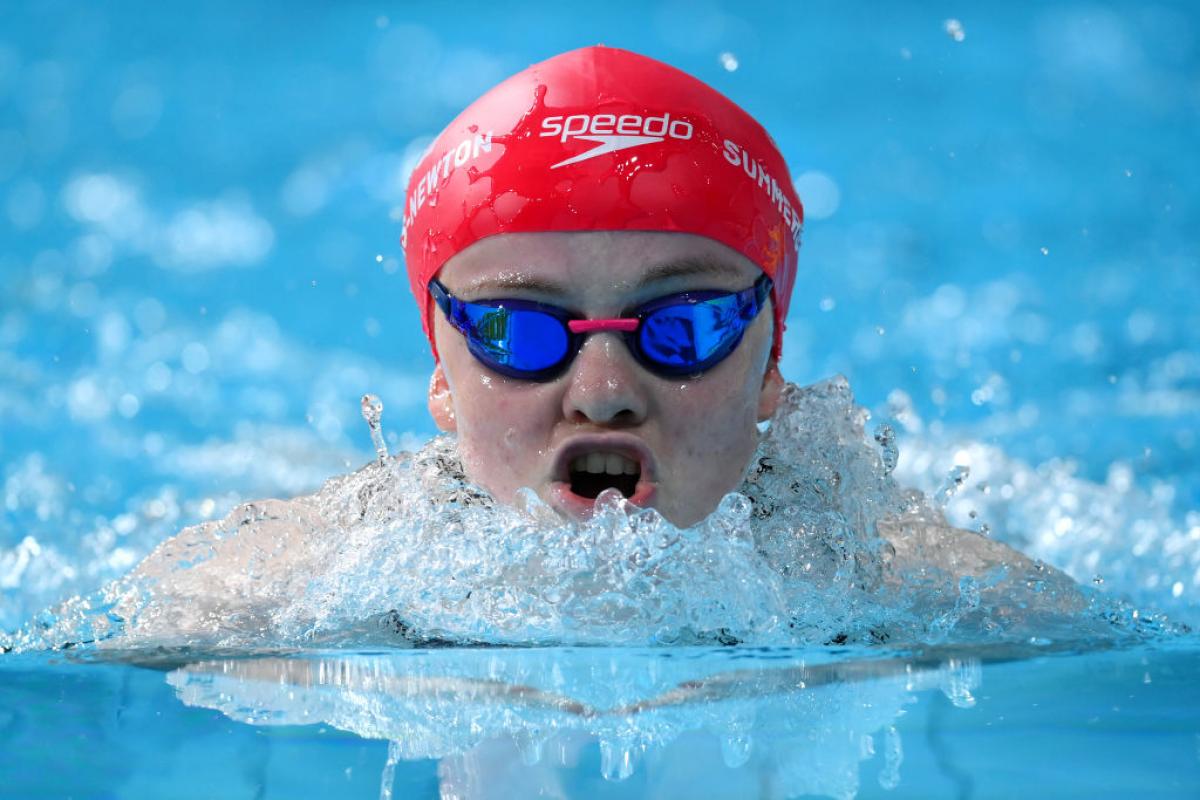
{"points": [[579, 508]]}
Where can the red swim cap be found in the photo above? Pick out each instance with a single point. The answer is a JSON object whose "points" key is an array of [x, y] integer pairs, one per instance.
{"points": [[603, 139]]}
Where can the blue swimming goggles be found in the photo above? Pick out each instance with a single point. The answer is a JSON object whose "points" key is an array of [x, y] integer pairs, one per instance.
{"points": [[673, 336]]}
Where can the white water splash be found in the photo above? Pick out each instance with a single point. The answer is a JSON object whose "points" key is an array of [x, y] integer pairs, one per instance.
{"points": [[819, 546]]}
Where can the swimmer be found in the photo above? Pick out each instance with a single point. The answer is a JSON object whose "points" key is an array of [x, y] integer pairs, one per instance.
{"points": [[603, 250]]}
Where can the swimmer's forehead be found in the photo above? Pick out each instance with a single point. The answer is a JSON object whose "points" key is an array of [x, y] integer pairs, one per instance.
{"points": [[617, 266], [536, 281]]}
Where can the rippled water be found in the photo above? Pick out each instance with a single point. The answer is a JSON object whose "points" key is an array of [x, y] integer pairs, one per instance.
{"points": [[606, 723], [192, 300]]}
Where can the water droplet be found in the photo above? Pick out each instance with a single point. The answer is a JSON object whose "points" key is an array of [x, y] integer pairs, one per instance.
{"points": [[886, 437], [959, 679], [388, 779], [954, 29], [372, 411], [728, 61], [610, 502], [893, 757], [1045, 251], [968, 592], [736, 749], [954, 481], [616, 761], [735, 506], [529, 743]]}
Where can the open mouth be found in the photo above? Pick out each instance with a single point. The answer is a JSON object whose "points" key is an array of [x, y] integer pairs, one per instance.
{"points": [[592, 473]]}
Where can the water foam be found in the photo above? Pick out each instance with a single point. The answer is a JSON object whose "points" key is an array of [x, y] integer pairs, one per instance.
{"points": [[820, 545]]}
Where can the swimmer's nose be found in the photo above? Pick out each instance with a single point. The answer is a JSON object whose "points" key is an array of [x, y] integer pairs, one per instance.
{"points": [[605, 385]]}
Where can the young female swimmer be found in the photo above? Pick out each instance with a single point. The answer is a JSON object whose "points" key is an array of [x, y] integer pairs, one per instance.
{"points": [[603, 250]]}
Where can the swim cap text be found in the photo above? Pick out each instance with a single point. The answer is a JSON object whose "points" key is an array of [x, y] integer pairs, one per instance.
{"points": [[458, 156], [566, 127], [738, 156]]}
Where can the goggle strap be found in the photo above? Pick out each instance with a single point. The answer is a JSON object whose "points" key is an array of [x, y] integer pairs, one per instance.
{"points": [[440, 296]]}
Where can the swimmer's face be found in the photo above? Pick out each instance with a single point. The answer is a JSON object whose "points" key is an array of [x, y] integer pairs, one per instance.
{"points": [[689, 439]]}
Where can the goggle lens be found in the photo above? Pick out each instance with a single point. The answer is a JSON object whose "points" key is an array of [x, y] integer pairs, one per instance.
{"points": [[522, 340], [688, 337], [677, 335]]}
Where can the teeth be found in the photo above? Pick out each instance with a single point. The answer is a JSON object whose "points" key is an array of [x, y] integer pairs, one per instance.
{"points": [[605, 463]]}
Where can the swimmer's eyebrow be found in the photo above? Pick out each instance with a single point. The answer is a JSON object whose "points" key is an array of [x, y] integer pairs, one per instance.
{"points": [[688, 267], [514, 280]]}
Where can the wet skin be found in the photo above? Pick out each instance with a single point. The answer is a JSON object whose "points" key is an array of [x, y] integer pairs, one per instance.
{"points": [[692, 437]]}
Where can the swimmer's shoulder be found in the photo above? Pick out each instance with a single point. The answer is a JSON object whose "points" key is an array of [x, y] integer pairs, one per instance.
{"points": [[921, 545]]}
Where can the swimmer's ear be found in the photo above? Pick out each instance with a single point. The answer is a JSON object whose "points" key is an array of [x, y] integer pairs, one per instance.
{"points": [[772, 390], [441, 401]]}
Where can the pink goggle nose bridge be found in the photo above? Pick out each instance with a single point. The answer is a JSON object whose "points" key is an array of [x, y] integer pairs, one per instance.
{"points": [[593, 325]]}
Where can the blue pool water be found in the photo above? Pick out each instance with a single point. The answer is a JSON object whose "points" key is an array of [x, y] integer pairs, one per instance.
{"points": [[602, 723], [200, 275]]}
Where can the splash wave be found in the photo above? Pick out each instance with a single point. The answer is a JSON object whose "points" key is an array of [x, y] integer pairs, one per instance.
{"points": [[820, 545]]}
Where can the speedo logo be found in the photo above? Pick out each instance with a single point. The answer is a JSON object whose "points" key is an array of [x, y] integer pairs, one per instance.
{"points": [[612, 133]]}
